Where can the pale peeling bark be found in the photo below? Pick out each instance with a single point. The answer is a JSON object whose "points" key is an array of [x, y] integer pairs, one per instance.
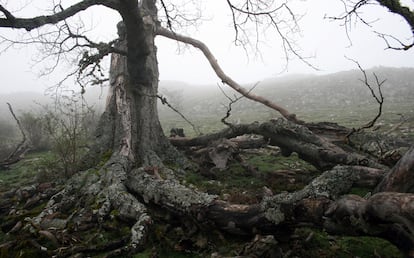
{"points": [[118, 82], [131, 111]]}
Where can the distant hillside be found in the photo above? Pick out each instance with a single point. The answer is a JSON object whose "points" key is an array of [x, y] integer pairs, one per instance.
{"points": [[339, 97], [33, 101]]}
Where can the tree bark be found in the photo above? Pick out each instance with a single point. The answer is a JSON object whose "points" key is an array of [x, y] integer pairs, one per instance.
{"points": [[290, 137], [386, 215], [224, 77], [401, 177], [135, 149], [130, 126]]}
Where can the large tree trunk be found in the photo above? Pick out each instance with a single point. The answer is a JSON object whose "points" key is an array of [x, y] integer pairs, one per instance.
{"points": [[129, 135], [130, 126], [130, 141]]}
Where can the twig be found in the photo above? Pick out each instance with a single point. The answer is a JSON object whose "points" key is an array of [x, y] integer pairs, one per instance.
{"points": [[223, 76], [165, 102], [232, 101], [379, 98]]}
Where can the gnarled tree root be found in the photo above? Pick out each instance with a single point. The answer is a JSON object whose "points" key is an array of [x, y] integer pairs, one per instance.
{"points": [[119, 191], [317, 204], [87, 201], [96, 196]]}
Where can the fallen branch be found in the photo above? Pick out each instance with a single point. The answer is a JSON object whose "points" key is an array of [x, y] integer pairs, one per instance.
{"points": [[319, 203], [20, 149], [290, 137]]}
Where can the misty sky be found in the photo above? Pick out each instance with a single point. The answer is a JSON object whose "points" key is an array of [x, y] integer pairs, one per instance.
{"points": [[321, 38]]}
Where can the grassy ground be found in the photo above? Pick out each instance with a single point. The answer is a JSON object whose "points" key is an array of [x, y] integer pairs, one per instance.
{"points": [[352, 117], [21, 173]]}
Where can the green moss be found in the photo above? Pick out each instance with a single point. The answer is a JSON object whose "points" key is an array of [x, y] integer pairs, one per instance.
{"points": [[235, 177], [114, 213], [104, 158], [367, 247], [40, 166], [164, 253], [360, 191], [144, 254], [323, 245], [269, 163]]}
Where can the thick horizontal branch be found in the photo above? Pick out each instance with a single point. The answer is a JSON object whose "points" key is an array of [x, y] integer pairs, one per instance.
{"points": [[385, 215], [32, 23], [395, 6], [290, 137], [224, 77]]}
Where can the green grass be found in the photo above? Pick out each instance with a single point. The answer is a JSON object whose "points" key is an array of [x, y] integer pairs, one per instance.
{"points": [[366, 247], [360, 191], [323, 245], [244, 187], [270, 163], [149, 253], [352, 116], [241, 187], [35, 167]]}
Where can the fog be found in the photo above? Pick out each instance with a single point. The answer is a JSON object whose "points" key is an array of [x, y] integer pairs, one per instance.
{"points": [[322, 39]]}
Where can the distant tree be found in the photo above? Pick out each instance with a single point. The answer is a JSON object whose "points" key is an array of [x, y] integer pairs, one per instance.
{"points": [[18, 151], [34, 127], [68, 126], [7, 135], [130, 142], [6, 130]]}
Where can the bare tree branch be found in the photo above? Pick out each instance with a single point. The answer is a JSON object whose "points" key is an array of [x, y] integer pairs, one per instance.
{"points": [[229, 106], [267, 14], [379, 98], [6, 13], [167, 14], [62, 42], [32, 23], [387, 38], [164, 101], [224, 77], [177, 16], [231, 102], [352, 11], [20, 149]]}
